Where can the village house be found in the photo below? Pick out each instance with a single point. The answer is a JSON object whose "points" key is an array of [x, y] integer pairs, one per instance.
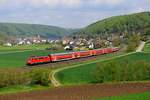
{"points": [[8, 44]]}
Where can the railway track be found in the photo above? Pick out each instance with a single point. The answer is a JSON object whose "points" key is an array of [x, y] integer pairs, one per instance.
{"points": [[54, 65]]}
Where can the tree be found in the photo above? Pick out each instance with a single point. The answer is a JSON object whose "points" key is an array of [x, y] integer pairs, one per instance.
{"points": [[131, 47], [116, 42], [2, 38], [125, 71], [133, 42], [135, 38]]}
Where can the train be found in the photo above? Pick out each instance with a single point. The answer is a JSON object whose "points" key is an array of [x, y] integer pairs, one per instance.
{"points": [[69, 55]]}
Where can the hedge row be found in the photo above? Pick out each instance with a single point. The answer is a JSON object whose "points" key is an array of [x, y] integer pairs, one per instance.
{"points": [[9, 77], [115, 72]]}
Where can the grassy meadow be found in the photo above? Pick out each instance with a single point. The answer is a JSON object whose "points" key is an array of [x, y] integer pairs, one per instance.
{"points": [[84, 74], [23, 47], [137, 96], [21, 88], [18, 59], [147, 47]]}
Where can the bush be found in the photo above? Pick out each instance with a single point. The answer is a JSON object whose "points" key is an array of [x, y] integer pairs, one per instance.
{"points": [[117, 42], [9, 77], [131, 47], [40, 76], [133, 42], [115, 71]]}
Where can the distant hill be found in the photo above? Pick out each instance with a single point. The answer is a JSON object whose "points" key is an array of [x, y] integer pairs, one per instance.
{"points": [[15, 29], [138, 22]]}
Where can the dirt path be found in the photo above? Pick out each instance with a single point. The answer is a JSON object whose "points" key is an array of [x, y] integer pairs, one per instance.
{"points": [[141, 46], [80, 92]]}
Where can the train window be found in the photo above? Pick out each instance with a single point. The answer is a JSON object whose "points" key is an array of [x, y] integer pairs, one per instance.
{"points": [[40, 58]]}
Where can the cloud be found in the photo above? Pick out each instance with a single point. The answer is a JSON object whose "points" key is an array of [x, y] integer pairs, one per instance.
{"points": [[138, 9], [41, 3], [58, 3], [67, 13], [107, 2]]}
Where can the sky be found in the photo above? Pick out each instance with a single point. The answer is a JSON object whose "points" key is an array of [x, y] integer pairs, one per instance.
{"points": [[67, 13]]}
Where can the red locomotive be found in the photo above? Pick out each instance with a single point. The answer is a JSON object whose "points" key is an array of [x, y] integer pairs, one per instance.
{"points": [[68, 56]]}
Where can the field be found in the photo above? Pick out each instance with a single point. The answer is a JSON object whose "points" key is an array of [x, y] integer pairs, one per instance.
{"points": [[147, 47], [21, 88], [137, 96], [83, 74], [24, 47], [86, 92], [18, 59], [15, 58]]}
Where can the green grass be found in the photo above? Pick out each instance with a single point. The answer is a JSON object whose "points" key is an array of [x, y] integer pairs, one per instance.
{"points": [[24, 47], [138, 96], [18, 59], [147, 47], [84, 73], [21, 88]]}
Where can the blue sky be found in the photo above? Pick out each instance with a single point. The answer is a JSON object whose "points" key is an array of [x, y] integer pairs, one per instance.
{"points": [[67, 13]]}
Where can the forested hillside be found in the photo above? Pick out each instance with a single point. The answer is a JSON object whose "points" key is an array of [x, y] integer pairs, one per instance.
{"points": [[138, 22], [14, 29], [2, 38]]}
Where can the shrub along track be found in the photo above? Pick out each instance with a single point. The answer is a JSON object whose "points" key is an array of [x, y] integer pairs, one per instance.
{"points": [[85, 92]]}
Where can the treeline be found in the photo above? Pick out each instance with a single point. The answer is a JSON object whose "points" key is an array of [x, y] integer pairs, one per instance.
{"points": [[121, 72], [15, 29], [13, 77], [138, 22]]}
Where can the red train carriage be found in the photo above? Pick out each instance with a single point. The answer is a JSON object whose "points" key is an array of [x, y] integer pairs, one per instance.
{"points": [[107, 50], [77, 54], [70, 55], [38, 60], [62, 56], [99, 51], [115, 49], [84, 53], [92, 52]]}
